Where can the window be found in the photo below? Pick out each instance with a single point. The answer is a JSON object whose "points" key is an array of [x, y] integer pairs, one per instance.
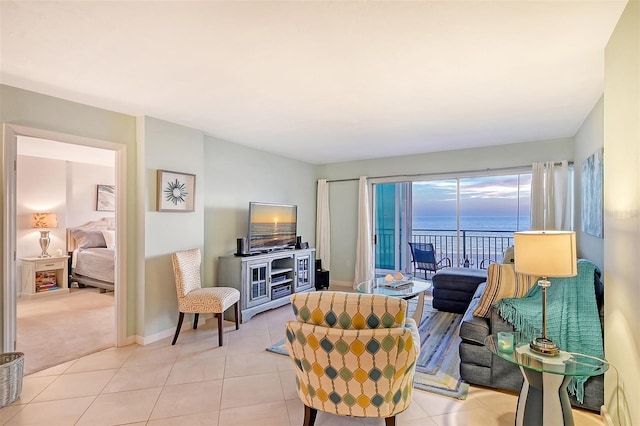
{"points": [[470, 220]]}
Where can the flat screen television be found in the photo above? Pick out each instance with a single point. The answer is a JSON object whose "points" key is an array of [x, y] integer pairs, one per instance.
{"points": [[272, 226]]}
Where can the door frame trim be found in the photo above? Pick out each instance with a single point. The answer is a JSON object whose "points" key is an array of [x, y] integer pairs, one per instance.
{"points": [[9, 290]]}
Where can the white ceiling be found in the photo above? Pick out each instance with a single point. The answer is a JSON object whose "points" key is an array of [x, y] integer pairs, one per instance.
{"points": [[322, 81]]}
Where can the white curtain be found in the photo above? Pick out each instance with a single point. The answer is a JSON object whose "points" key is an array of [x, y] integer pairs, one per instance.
{"points": [[364, 248], [323, 225], [551, 206]]}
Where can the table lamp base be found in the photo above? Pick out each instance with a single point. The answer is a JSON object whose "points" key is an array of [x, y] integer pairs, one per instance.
{"points": [[544, 346]]}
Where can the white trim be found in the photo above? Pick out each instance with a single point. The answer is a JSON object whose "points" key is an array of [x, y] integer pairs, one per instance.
{"points": [[604, 415], [10, 133], [9, 290], [169, 332]]}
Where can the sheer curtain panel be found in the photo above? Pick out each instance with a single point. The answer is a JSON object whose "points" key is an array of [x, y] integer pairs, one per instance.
{"points": [[364, 247], [551, 206], [323, 225]]}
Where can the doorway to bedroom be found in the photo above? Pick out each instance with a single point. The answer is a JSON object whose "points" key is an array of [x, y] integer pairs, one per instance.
{"points": [[59, 318], [53, 318]]}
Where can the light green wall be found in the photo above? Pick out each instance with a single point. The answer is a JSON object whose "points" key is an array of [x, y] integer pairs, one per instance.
{"points": [[236, 175], [590, 137], [24, 108], [622, 217], [168, 146], [228, 176], [343, 196]]}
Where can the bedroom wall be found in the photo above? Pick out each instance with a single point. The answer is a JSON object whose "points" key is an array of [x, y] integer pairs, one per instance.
{"points": [[236, 175], [26, 108], [590, 137], [62, 187], [41, 187], [82, 192], [343, 196]]}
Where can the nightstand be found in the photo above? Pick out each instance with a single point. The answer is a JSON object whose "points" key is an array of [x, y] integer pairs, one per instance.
{"points": [[44, 276]]}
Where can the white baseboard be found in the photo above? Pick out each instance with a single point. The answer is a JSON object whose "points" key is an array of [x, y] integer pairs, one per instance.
{"points": [[145, 340], [604, 415], [341, 285]]}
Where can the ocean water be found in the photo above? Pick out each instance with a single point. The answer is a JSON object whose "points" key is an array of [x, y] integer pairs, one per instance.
{"points": [[472, 223], [270, 234]]}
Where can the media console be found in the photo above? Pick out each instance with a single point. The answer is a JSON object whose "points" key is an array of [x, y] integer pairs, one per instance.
{"points": [[266, 280]]}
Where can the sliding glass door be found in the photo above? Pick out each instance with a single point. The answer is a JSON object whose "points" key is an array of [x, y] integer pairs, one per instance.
{"points": [[392, 223], [469, 220]]}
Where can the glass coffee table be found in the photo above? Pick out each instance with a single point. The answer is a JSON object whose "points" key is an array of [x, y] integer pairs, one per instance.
{"points": [[405, 289], [543, 399]]}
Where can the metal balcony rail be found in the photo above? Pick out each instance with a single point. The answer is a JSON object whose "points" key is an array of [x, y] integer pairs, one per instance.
{"points": [[468, 248]]}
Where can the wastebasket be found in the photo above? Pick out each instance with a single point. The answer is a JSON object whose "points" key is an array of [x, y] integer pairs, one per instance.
{"points": [[11, 373]]}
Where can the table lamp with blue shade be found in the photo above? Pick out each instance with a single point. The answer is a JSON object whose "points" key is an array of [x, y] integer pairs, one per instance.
{"points": [[546, 254], [44, 222]]}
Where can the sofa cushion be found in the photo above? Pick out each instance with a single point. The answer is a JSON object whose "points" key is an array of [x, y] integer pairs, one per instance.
{"points": [[461, 279], [474, 329], [502, 282]]}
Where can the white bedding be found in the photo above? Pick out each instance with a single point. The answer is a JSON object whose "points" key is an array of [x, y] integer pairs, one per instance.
{"points": [[96, 263]]}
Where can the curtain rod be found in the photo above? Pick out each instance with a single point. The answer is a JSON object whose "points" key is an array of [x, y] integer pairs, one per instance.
{"points": [[431, 174]]}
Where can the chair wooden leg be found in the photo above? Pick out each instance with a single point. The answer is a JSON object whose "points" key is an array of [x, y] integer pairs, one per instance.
{"points": [[309, 416], [237, 309], [175, 337], [220, 334], [390, 421], [195, 321]]}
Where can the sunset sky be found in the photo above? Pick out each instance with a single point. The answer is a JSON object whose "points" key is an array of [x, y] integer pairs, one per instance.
{"points": [[269, 213]]}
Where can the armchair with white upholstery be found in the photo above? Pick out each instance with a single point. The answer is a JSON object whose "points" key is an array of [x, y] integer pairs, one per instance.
{"points": [[354, 354]]}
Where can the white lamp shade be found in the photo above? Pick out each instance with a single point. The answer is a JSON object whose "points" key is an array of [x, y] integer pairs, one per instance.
{"points": [[45, 220], [546, 253]]}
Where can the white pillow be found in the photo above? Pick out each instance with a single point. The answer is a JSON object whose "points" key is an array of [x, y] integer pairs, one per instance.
{"points": [[110, 238]]}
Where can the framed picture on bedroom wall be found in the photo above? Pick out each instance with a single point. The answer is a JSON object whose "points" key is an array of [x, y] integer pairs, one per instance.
{"points": [[176, 191], [106, 198]]}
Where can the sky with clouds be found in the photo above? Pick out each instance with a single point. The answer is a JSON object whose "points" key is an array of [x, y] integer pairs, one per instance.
{"points": [[479, 196]]}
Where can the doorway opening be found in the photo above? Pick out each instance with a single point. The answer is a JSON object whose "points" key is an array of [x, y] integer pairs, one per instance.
{"points": [[12, 222]]}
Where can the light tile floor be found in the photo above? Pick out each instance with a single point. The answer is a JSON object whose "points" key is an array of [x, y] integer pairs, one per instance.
{"points": [[196, 382]]}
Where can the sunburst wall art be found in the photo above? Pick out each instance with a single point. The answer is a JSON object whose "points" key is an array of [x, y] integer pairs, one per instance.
{"points": [[176, 191]]}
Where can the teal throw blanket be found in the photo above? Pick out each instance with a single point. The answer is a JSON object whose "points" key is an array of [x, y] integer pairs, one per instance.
{"points": [[573, 321]]}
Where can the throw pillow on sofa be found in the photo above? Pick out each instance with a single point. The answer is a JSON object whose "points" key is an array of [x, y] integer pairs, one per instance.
{"points": [[502, 282]]}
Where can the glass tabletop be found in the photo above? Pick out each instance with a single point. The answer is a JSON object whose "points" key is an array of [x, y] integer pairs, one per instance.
{"points": [[405, 288], [565, 363]]}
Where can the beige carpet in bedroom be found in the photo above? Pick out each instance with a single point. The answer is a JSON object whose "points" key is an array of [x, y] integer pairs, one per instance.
{"points": [[56, 329]]}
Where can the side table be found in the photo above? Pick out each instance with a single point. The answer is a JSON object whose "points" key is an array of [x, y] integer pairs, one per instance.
{"points": [[44, 276], [543, 398]]}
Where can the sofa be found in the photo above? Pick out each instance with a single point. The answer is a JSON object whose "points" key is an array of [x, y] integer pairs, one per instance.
{"points": [[478, 366]]}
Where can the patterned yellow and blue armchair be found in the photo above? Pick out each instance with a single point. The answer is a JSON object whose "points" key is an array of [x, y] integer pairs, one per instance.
{"points": [[354, 354]]}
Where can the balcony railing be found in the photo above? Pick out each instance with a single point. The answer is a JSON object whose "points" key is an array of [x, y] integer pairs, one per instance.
{"points": [[468, 248]]}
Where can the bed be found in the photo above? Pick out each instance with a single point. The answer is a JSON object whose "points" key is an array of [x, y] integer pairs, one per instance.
{"points": [[91, 248]]}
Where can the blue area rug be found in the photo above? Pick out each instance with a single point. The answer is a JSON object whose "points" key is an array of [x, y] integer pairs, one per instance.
{"points": [[438, 364]]}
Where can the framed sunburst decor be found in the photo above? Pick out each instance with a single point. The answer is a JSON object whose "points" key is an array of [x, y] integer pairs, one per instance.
{"points": [[176, 191]]}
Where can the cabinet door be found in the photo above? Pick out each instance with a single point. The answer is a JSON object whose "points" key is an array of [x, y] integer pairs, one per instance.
{"points": [[303, 272], [258, 283]]}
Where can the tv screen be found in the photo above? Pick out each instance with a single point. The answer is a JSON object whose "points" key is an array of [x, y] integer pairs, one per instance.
{"points": [[272, 226]]}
